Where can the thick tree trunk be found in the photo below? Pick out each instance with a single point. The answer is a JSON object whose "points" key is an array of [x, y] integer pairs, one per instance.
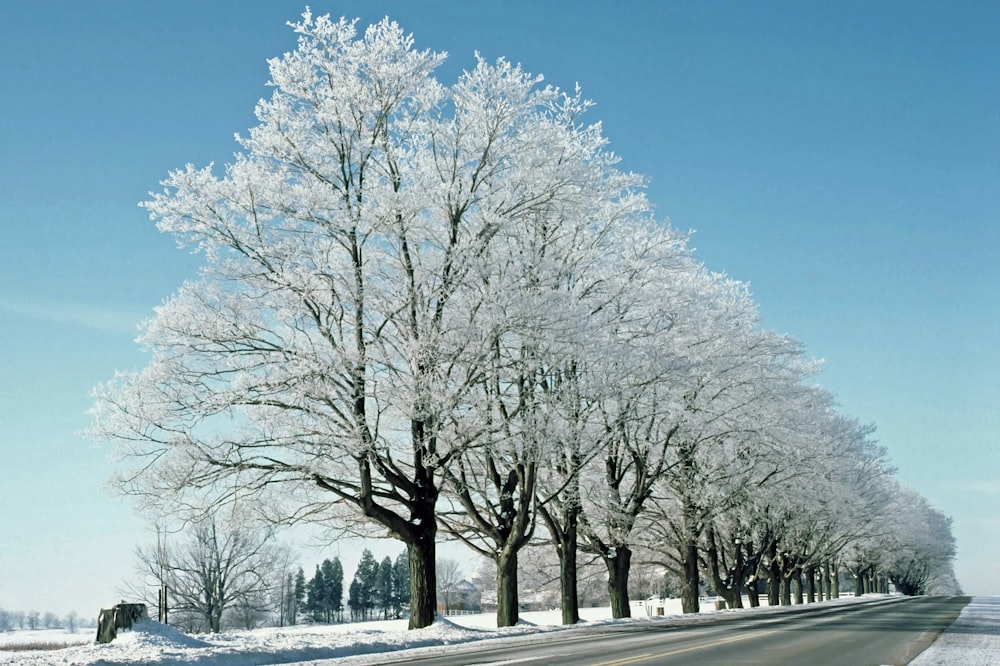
{"points": [[752, 593], [773, 577], [810, 573], [797, 586], [730, 586], [570, 599], [738, 575], [785, 590], [423, 581], [835, 581], [565, 535], [619, 563], [507, 611], [689, 578]]}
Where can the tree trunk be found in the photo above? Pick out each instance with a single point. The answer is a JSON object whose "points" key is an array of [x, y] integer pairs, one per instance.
{"points": [[752, 593], [730, 587], [619, 562], [507, 611], [825, 581], [835, 581], [810, 572], [423, 580], [570, 599], [773, 577], [797, 586], [565, 537], [689, 578], [785, 590]]}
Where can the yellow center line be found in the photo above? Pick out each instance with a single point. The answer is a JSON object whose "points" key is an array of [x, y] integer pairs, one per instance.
{"points": [[630, 660], [648, 656]]}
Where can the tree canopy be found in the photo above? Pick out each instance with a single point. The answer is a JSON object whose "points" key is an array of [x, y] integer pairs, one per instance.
{"points": [[427, 303]]}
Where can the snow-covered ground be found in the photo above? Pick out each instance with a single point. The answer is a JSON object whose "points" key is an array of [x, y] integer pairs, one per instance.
{"points": [[973, 639]]}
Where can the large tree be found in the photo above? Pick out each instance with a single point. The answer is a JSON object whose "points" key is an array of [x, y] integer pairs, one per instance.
{"points": [[333, 343]]}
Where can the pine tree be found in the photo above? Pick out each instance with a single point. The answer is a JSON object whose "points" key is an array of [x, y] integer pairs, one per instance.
{"points": [[354, 599], [316, 590], [385, 587], [333, 576], [401, 574], [367, 578]]}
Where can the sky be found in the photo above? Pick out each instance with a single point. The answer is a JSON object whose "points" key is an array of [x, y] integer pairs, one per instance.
{"points": [[842, 158]]}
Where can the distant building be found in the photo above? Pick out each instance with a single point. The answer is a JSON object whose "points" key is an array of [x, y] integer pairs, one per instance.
{"points": [[464, 597]]}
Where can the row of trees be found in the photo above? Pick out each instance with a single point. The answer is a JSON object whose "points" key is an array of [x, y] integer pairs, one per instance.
{"points": [[380, 589], [430, 307], [33, 620], [230, 572]]}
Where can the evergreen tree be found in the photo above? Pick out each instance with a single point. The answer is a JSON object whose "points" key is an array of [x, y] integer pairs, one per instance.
{"points": [[316, 590], [354, 599], [333, 575], [367, 578], [401, 574], [385, 587]]}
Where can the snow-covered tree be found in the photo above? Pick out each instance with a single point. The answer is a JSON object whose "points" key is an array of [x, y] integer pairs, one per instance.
{"points": [[333, 342], [920, 547]]}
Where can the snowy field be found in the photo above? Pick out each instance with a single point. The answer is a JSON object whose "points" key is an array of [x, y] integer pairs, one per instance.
{"points": [[973, 639], [46, 637]]}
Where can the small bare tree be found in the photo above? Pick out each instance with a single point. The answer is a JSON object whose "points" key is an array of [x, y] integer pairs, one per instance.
{"points": [[221, 565]]}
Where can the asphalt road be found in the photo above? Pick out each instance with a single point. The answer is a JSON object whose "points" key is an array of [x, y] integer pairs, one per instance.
{"points": [[883, 631]]}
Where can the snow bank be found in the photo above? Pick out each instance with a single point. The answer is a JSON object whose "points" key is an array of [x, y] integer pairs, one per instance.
{"points": [[972, 640], [359, 643]]}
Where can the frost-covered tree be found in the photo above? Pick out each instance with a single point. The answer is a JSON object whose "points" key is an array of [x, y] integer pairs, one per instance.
{"points": [[680, 435], [734, 403], [920, 547], [325, 359], [623, 296]]}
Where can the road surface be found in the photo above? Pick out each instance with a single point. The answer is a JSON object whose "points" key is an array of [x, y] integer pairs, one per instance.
{"points": [[883, 631]]}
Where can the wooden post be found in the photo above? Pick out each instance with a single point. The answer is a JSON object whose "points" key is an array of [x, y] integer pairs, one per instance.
{"points": [[161, 605]]}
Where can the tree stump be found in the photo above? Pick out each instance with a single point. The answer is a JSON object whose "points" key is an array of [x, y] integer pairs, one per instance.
{"points": [[119, 616]]}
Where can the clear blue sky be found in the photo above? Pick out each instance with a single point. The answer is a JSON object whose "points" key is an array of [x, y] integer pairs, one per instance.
{"points": [[841, 157]]}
